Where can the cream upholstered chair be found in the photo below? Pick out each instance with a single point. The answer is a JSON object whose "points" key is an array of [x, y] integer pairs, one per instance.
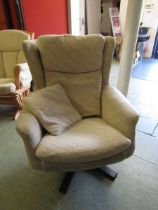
{"points": [[15, 76], [105, 135]]}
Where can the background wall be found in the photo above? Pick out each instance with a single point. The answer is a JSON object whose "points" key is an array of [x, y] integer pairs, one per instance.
{"points": [[13, 14], [106, 22], [3, 21], [123, 13], [93, 13], [45, 16], [77, 15]]}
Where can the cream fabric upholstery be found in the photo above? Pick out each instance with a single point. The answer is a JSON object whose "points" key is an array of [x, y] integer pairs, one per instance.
{"points": [[87, 140], [118, 111], [28, 123], [86, 99], [59, 55], [10, 38], [11, 53], [7, 85], [66, 49], [34, 61], [52, 108], [6, 80], [85, 72], [106, 133]]}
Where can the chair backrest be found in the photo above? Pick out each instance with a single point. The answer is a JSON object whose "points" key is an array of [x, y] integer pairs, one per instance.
{"points": [[11, 52], [80, 63]]}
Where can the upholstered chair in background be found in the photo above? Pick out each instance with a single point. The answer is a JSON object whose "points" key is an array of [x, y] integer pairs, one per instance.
{"points": [[104, 133], [15, 76]]}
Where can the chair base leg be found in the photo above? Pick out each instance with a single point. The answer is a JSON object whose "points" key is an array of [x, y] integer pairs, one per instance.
{"points": [[66, 182], [17, 114], [105, 172], [108, 172]]}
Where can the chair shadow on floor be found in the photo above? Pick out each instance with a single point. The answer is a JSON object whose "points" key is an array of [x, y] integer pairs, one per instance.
{"points": [[7, 111], [27, 189]]}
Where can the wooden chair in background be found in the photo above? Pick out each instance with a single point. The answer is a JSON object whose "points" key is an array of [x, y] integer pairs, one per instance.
{"points": [[15, 76]]}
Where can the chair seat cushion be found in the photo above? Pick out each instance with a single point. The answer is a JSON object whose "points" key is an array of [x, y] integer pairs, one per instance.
{"points": [[87, 140], [52, 108], [7, 86]]}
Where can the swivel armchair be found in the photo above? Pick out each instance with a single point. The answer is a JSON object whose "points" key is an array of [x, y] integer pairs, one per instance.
{"points": [[106, 131]]}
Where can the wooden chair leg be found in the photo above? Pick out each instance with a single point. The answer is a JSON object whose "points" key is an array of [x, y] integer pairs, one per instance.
{"points": [[17, 114], [19, 102], [27, 92], [19, 99], [15, 99]]}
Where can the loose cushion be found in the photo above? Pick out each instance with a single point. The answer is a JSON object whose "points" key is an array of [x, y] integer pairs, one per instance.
{"points": [[87, 140], [7, 85], [52, 108]]}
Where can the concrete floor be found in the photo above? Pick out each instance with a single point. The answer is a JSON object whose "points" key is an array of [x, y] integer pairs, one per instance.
{"points": [[142, 94], [136, 187]]}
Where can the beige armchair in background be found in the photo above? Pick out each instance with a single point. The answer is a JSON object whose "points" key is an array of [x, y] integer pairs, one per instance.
{"points": [[15, 76], [106, 132]]}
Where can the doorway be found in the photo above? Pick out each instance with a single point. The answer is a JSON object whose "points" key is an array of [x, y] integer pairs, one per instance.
{"points": [[155, 48]]}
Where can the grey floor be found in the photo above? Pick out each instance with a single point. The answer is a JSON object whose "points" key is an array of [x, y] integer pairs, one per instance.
{"points": [[136, 187], [143, 95], [137, 184]]}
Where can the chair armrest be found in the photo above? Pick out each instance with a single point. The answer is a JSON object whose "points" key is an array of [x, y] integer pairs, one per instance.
{"points": [[31, 133], [22, 75], [118, 112]]}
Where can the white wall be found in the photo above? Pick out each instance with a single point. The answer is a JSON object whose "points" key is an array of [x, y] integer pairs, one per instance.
{"points": [[106, 22], [77, 17], [82, 16], [93, 8], [123, 13]]}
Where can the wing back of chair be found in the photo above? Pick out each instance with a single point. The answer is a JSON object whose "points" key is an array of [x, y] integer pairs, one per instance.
{"points": [[80, 63], [11, 52]]}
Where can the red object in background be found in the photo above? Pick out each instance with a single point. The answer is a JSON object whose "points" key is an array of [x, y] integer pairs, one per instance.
{"points": [[45, 16], [3, 21], [13, 15]]}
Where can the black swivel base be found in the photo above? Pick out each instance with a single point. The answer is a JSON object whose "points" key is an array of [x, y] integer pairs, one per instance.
{"points": [[105, 171], [66, 182]]}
